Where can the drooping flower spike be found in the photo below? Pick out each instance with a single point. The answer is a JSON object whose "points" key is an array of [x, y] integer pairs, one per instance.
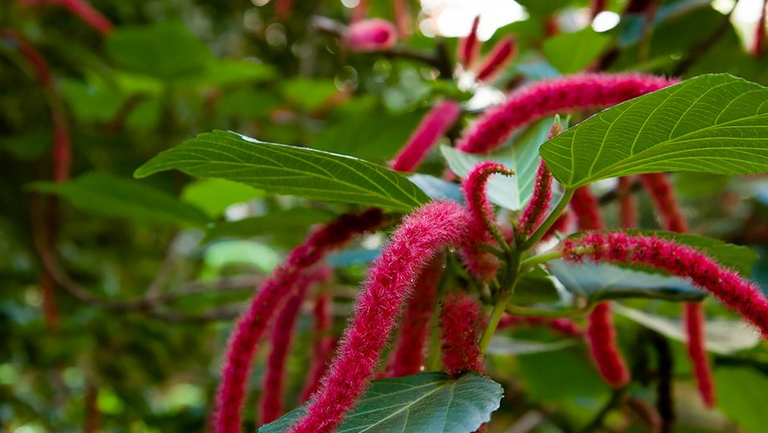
{"points": [[408, 355], [628, 217], [494, 62], [483, 227], [542, 193], [682, 261], [251, 325], [548, 97], [282, 338], [84, 11], [587, 210], [668, 207], [433, 126], [390, 279], [371, 35], [469, 46], [461, 321], [322, 344]]}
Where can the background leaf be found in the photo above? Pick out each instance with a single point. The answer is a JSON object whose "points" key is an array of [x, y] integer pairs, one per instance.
{"points": [[423, 403], [214, 196], [572, 52], [282, 169], [740, 395], [108, 195], [292, 220], [713, 124]]}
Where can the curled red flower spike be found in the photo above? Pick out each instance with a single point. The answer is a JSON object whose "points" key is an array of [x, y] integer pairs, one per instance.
{"points": [[390, 279], [542, 193], [565, 327], [601, 336], [501, 54], [460, 324], [587, 210], [433, 126], [84, 11], [251, 325], [663, 195], [322, 345], [627, 203], [759, 43], [371, 35], [693, 317], [597, 7], [547, 97], [682, 261], [480, 263], [469, 46], [282, 337], [408, 356]]}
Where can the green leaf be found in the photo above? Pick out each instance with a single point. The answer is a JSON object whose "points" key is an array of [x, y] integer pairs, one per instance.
{"points": [[275, 222], [741, 396], [572, 52], [723, 336], [600, 282], [423, 403], [710, 124], [309, 94], [282, 169], [510, 192], [108, 195], [536, 287], [436, 188], [214, 196], [736, 257], [556, 377], [503, 345], [222, 254], [164, 50]]}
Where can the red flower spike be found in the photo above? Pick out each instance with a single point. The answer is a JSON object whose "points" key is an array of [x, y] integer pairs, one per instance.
{"points": [[759, 43], [548, 97], [469, 46], [402, 13], [693, 317], [460, 323], [735, 292], [494, 62], [601, 337], [667, 206], [371, 35], [542, 193], [627, 203], [480, 263], [587, 210], [408, 356], [251, 325], [433, 126], [322, 344], [390, 279]]}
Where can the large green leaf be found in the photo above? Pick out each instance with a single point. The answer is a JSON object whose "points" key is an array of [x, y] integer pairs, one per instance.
{"points": [[281, 169], [572, 52], [723, 336], [215, 195], [423, 403], [604, 282], [108, 195], [741, 396], [510, 192], [712, 124]]}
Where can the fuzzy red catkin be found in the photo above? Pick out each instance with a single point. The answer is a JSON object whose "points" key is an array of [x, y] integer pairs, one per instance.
{"points": [[251, 325], [321, 346], [271, 405], [469, 46], [542, 193], [628, 217], [494, 62], [735, 292], [547, 97], [481, 264], [390, 279], [759, 43], [460, 324], [408, 355], [84, 11], [433, 126], [693, 317], [371, 35]]}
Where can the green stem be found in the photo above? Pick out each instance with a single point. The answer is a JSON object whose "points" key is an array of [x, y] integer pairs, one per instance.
{"points": [[534, 261], [493, 322], [550, 221]]}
